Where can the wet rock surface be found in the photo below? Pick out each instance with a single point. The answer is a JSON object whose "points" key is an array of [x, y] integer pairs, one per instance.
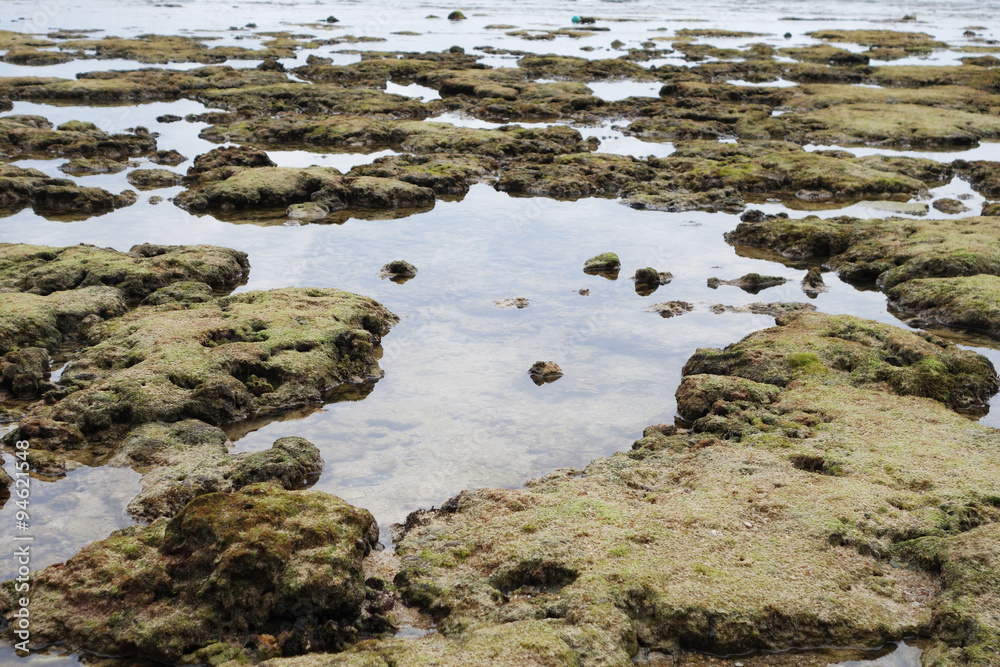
{"points": [[229, 569], [766, 509], [923, 265]]}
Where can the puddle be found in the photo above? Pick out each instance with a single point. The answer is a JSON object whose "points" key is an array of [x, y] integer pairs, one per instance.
{"points": [[414, 90], [613, 91], [778, 83]]}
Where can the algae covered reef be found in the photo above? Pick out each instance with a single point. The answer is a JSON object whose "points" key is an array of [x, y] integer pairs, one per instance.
{"points": [[323, 462]]}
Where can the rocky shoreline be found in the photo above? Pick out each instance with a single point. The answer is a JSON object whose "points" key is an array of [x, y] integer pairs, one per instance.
{"points": [[823, 486]]}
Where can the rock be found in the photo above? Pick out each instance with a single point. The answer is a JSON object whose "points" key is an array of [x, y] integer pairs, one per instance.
{"points": [[950, 206], [307, 211], [20, 188], [543, 372], [24, 373], [170, 157], [751, 282], [893, 252], [664, 527], [95, 165], [648, 279], [184, 291], [606, 263], [907, 208], [151, 179], [670, 308], [332, 19], [186, 459], [227, 567], [775, 309], [271, 65], [254, 353], [168, 118], [26, 136], [398, 271], [812, 283], [456, 16], [991, 209], [518, 302]]}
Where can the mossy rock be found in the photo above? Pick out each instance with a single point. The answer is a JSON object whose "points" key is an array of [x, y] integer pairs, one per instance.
{"points": [[152, 179], [28, 136], [688, 541], [281, 187], [229, 566], [95, 165], [606, 261], [255, 353], [143, 269], [969, 301], [846, 350], [751, 282], [892, 253], [21, 188], [186, 459]]}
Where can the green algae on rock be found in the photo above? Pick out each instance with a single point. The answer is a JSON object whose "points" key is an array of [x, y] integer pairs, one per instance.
{"points": [[229, 568], [281, 187], [957, 256], [186, 459], [51, 294], [606, 261], [31, 136], [47, 196], [152, 179], [778, 536], [254, 353]]}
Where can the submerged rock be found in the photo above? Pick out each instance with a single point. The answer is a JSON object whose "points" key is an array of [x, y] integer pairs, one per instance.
{"points": [[950, 206], [517, 302], [543, 372], [775, 309], [670, 308], [229, 568]]}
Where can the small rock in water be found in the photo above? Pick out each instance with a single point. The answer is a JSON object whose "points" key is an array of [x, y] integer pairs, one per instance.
{"points": [[606, 264], [168, 118], [307, 211], [950, 206], [813, 283], [456, 16], [583, 292], [542, 372], [518, 302], [329, 19], [398, 271], [648, 279], [751, 282], [670, 308]]}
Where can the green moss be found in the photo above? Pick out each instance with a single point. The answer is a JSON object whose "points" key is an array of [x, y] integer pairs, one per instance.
{"points": [[227, 567], [195, 360], [20, 188]]}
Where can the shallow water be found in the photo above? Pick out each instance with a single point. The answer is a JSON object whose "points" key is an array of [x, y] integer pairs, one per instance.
{"points": [[456, 408]]}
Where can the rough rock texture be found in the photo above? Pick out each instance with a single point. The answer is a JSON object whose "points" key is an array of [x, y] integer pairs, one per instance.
{"points": [[219, 361], [34, 136], [751, 282], [229, 568], [186, 459], [942, 270], [829, 512], [47, 196], [49, 293]]}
